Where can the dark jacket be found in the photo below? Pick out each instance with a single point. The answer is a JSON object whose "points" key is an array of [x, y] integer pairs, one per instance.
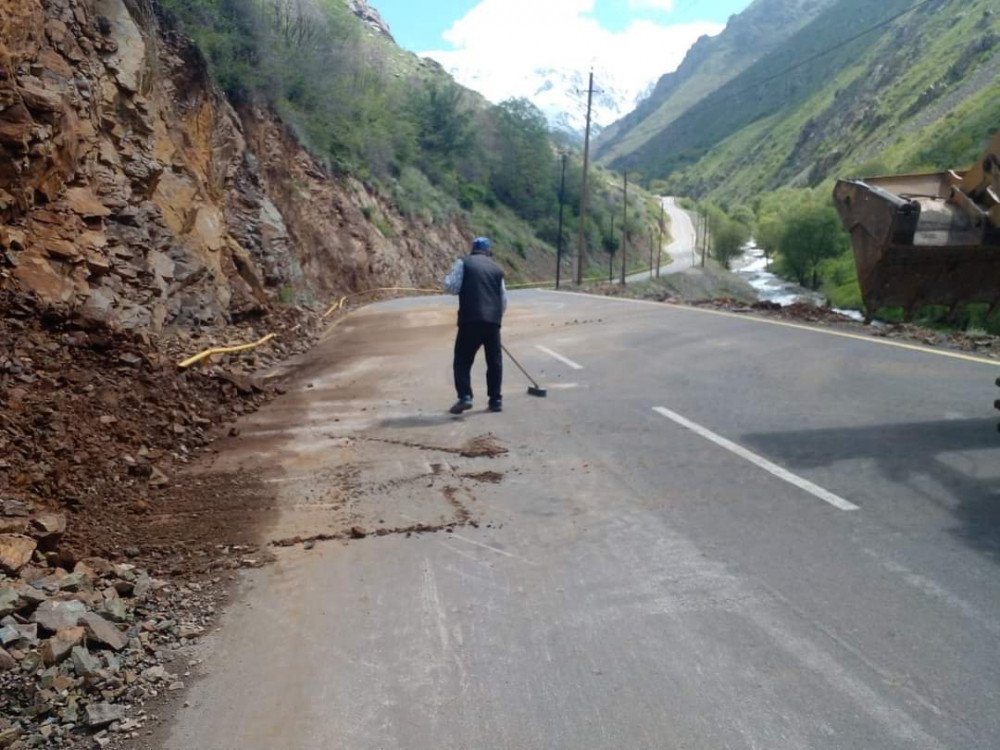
{"points": [[482, 297]]}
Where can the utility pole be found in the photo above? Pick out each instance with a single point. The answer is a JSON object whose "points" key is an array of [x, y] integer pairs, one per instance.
{"points": [[581, 253], [611, 255], [659, 255], [708, 234], [694, 247], [624, 229], [701, 243], [651, 239], [559, 243]]}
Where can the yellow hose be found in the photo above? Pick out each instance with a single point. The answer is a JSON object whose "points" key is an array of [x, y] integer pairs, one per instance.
{"points": [[340, 303], [334, 307], [223, 350]]}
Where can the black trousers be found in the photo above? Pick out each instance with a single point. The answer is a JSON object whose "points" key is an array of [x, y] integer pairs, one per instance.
{"points": [[470, 337]]}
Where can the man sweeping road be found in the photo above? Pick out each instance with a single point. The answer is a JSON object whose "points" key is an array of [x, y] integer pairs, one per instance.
{"points": [[482, 301]]}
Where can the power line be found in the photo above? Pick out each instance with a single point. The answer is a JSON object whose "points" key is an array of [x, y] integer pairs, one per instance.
{"points": [[833, 48]]}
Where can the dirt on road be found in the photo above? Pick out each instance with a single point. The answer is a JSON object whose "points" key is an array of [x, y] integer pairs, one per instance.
{"points": [[118, 469]]}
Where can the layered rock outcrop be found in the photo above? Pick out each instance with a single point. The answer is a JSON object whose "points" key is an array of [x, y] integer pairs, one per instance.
{"points": [[133, 193], [371, 17]]}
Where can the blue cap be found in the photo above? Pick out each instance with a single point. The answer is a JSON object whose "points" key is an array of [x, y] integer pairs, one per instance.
{"points": [[481, 243]]}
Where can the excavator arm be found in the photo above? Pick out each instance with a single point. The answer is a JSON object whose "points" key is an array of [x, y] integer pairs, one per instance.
{"points": [[979, 188]]}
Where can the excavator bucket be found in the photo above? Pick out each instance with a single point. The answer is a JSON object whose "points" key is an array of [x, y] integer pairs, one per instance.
{"points": [[926, 239]]}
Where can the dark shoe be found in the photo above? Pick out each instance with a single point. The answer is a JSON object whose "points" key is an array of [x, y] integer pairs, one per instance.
{"points": [[463, 404], [496, 405]]}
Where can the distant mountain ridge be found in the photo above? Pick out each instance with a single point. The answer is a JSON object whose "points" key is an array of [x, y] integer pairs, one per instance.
{"points": [[709, 64], [861, 88]]}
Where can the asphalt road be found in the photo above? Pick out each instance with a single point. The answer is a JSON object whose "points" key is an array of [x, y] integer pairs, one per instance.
{"points": [[681, 245], [798, 550]]}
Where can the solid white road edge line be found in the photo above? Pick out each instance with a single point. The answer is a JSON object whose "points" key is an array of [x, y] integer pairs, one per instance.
{"points": [[561, 358], [785, 324], [803, 484]]}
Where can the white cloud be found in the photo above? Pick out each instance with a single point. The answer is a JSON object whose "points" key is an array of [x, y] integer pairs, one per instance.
{"points": [[664, 5], [500, 45]]}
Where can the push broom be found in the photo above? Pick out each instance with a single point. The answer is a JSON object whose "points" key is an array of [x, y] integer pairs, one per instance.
{"points": [[534, 389]]}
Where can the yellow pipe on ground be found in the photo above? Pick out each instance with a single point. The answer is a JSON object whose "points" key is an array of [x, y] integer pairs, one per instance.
{"points": [[339, 304], [334, 307], [343, 300], [223, 350]]}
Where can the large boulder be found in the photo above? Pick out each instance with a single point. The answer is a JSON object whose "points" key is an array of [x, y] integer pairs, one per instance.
{"points": [[59, 646], [15, 551], [103, 632], [59, 615]]}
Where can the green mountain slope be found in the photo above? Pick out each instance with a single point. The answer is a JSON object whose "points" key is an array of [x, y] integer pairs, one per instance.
{"points": [[918, 92], [711, 62], [438, 154]]}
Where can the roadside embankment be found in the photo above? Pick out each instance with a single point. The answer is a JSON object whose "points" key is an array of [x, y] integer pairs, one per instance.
{"points": [[690, 285], [102, 538], [720, 289]]}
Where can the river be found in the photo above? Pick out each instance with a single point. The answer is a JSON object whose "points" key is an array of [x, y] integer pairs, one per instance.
{"points": [[752, 265]]}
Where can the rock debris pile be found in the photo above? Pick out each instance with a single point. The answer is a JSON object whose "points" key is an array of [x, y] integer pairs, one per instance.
{"points": [[94, 424], [981, 343], [83, 651]]}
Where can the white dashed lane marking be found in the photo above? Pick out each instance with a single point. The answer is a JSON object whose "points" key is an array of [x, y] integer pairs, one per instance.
{"points": [[555, 355], [803, 484]]}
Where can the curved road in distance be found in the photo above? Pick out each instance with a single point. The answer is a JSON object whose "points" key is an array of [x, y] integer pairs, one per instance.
{"points": [[681, 246]]}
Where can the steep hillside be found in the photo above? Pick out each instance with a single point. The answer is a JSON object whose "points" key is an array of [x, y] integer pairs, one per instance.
{"points": [[133, 192], [711, 62], [919, 91]]}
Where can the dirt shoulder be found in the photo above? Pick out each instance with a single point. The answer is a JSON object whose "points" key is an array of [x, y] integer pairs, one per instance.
{"points": [[130, 499], [690, 285]]}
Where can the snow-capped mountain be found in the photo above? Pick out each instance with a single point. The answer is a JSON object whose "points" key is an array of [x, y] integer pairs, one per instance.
{"points": [[561, 94], [562, 97]]}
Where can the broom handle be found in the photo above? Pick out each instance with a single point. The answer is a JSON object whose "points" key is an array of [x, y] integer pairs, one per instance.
{"points": [[507, 352]]}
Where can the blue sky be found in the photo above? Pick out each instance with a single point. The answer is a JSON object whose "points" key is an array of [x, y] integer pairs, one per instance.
{"points": [[539, 49], [420, 26]]}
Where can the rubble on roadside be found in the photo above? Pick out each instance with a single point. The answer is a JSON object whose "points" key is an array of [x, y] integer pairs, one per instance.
{"points": [[979, 343], [83, 651], [105, 576], [804, 312]]}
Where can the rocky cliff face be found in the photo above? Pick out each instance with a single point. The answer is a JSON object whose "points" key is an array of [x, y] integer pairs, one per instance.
{"points": [[371, 17], [326, 223], [133, 193]]}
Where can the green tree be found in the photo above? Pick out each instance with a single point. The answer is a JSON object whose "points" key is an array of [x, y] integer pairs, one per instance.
{"points": [[728, 238], [809, 235], [744, 215], [445, 129], [523, 161], [727, 235]]}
